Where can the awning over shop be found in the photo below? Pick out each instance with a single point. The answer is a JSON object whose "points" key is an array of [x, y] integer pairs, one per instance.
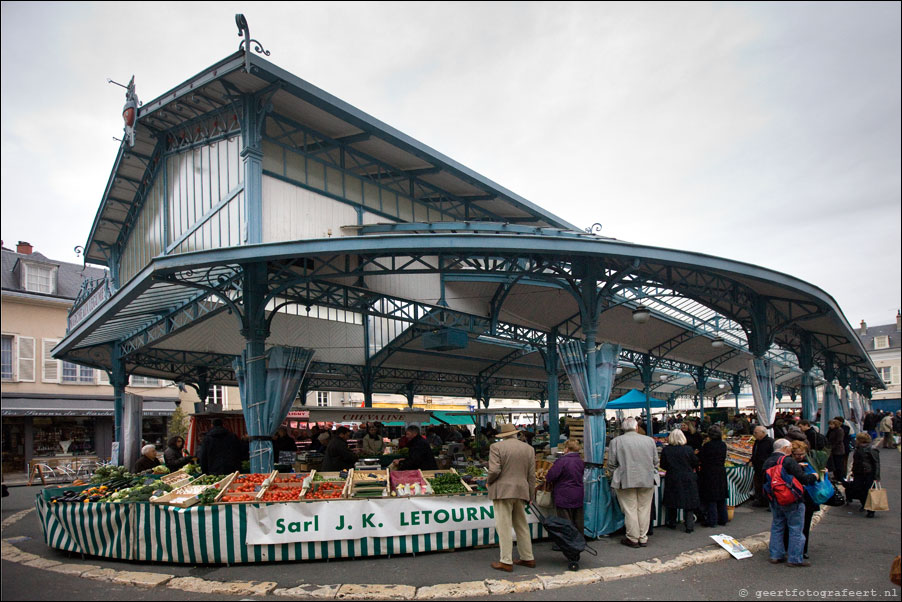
{"points": [[21, 405], [635, 400]]}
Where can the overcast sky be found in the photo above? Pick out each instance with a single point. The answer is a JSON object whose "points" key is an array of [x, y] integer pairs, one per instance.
{"points": [[767, 133]]}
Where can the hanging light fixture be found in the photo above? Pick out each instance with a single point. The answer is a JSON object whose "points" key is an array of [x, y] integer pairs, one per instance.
{"points": [[619, 370], [641, 314], [662, 377], [717, 342], [722, 386]]}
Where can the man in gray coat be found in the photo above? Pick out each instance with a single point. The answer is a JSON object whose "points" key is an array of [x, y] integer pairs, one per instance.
{"points": [[511, 482], [633, 470]]}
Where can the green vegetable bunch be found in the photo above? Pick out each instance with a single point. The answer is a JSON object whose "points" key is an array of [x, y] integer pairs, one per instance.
{"points": [[208, 496], [447, 483], [208, 479], [817, 458], [108, 473]]}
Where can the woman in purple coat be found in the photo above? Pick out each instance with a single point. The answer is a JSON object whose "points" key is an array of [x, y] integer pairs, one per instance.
{"points": [[566, 476]]}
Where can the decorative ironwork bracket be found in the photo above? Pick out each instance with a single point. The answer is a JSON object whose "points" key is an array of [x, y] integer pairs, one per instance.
{"points": [[244, 31]]}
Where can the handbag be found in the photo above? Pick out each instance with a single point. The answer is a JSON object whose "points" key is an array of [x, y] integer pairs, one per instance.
{"points": [[838, 498], [821, 491], [877, 499], [544, 499]]}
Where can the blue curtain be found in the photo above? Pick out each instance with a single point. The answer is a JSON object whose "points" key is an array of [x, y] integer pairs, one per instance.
{"points": [[809, 398], [857, 411], [832, 407], [763, 390], [602, 513], [285, 370], [845, 402]]}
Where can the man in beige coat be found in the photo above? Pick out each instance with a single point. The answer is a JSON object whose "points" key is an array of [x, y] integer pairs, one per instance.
{"points": [[512, 484], [633, 467]]}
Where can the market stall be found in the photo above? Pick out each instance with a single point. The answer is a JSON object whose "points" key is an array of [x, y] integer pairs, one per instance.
{"points": [[309, 528]]}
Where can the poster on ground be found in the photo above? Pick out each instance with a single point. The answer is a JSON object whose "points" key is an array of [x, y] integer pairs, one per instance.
{"points": [[731, 545]]}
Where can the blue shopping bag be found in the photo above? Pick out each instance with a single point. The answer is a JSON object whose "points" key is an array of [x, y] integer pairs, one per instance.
{"points": [[821, 491]]}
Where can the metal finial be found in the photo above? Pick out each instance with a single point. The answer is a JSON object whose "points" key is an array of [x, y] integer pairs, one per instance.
{"points": [[79, 250], [244, 31], [594, 229]]}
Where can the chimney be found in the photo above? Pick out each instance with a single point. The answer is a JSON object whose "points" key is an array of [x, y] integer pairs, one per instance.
{"points": [[23, 248], [898, 321], [864, 328]]}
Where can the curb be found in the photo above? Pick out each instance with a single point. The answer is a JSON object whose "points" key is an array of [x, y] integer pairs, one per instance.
{"points": [[480, 589]]}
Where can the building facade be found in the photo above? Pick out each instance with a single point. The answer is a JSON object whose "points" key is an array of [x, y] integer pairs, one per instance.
{"points": [[884, 344], [52, 410]]}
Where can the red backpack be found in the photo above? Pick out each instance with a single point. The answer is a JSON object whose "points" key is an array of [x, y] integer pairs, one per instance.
{"points": [[780, 486]]}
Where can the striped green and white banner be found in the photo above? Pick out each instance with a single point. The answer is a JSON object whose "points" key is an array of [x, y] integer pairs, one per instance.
{"points": [[96, 529], [216, 535], [740, 485]]}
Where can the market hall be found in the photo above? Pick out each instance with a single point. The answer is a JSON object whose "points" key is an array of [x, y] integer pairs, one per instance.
{"points": [[260, 232]]}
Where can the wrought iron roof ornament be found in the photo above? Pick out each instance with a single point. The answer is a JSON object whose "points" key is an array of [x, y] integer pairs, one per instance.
{"points": [[594, 229], [245, 44]]}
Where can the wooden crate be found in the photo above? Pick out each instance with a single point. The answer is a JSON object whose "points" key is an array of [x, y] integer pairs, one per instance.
{"points": [[358, 479], [429, 474], [576, 427]]}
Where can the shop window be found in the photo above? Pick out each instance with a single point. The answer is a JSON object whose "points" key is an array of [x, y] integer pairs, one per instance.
{"points": [[6, 358], [75, 374], [59, 436]]}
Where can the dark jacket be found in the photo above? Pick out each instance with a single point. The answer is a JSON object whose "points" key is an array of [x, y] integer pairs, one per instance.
{"points": [[566, 475], [761, 452], [811, 436], [286, 444], [694, 440], [681, 482], [338, 456], [866, 463], [419, 457], [847, 439], [836, 442], [712, 477], [220, 452], [175, 459], [145, 463]]}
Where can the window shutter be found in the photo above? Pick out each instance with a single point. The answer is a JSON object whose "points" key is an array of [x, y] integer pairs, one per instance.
{"points": [[26, 359], [52, 367]]}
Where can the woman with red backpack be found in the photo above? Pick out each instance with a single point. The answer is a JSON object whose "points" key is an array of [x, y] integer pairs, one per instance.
{"points": [[784, 481]]}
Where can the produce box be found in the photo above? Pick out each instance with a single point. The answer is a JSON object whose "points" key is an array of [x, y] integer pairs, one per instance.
{"points": [[242, 488], [326, 490], [368, 483], [285, 488], [183, 497], [446, 482], [177, 479], [51, 492], [406, 483]]}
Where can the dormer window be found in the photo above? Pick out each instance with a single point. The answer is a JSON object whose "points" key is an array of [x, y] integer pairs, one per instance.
{"points": [[39, 278], [881, 342]]}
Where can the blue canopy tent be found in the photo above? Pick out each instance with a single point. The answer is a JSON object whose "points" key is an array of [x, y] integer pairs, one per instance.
{"points": [[635, 400]]}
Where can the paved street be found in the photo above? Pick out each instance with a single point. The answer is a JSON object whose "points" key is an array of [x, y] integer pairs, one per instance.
{"points": [[848, 552]]}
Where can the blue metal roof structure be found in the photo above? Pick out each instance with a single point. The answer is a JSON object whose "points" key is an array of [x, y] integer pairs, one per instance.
{"points": [[431, 247]]}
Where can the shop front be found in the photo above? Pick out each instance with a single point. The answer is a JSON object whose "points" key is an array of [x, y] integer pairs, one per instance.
{"points": [[63, 431]]}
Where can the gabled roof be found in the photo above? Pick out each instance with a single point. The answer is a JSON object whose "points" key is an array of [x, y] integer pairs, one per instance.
{"points": [[69, 277], [216, 89], [887, 330]]}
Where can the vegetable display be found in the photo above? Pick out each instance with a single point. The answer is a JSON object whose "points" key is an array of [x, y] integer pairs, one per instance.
{"points": [[447, 483]]}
